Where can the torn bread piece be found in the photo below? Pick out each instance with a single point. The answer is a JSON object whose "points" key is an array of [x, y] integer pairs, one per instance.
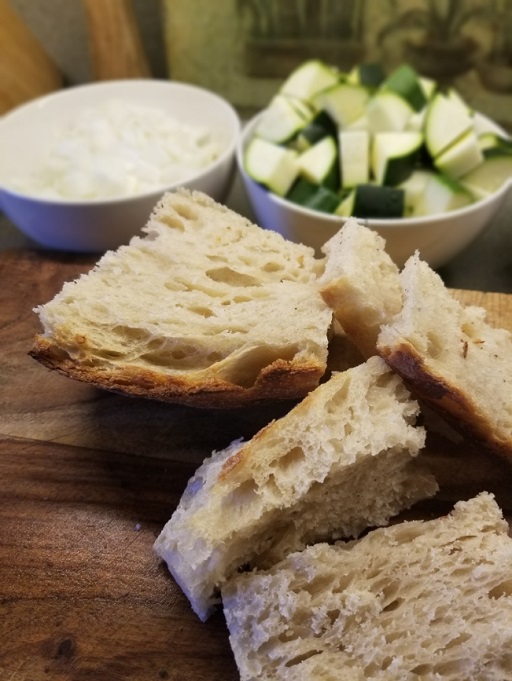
{"points": [[207, 310], [360, 283], [341, 461], [417, 600], [451, 358]]}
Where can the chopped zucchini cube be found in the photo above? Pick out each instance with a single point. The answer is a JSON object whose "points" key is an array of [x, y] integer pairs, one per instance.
{"points": [[282, 120], [405, 82], [414, 186], [482, 124], [271, 165], [441, 195], [457, 98], [388, 112], [319, 127], [416, 122], [313, 196], [395, 155], [461, 156], [376, 201], [354, 157], [369, 74], [446, 120], [491, 174], [319, 163], [309, 78], [360, 124], [344, 102]]}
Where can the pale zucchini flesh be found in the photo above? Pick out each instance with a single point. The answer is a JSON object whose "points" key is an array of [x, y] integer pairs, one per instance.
{"points": [[319, 163], [271, 165], [445, 122], [354, 153], [309, 78], [491, 140], [395, 155], [414, 187], [388, 112], [281, 120], [442, 195], [416, 122], [344, 102], [461, 157], [490, 175], [428, 86]]}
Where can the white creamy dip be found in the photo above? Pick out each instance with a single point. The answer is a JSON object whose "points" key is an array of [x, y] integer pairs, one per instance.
{"points": [[119, 149]]}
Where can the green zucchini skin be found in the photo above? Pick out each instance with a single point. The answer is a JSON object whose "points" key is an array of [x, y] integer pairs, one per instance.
{"points": [[316, 197], [376, 201], [406, 83], [322, 125], [370, 74]]}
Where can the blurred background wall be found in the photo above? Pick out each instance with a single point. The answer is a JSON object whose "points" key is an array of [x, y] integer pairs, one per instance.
{"points": [[242, 49], [61, 27]]}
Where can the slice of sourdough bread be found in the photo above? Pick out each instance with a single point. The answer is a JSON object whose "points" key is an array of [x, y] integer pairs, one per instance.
{"points": [[360, 283], [451, 358], [208, 310], [342, 460], [428, 600]]}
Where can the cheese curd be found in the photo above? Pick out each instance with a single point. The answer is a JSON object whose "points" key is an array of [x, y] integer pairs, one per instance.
{"points": [[119, 149]]}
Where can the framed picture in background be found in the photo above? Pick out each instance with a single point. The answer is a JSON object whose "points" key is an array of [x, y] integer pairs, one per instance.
{"points": [[243, 49]]}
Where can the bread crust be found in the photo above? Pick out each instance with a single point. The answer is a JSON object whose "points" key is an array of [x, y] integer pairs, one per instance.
{"points": [[443, 396], [279, 381], [343, 459], [203, 309]]}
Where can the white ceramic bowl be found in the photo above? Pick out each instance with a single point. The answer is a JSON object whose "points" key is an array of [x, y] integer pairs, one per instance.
{"points": [[100, 224], [438, 238]]}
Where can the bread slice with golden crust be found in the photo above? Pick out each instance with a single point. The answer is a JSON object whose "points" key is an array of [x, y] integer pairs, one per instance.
{"points": [[360, 283], [451, 358], [207, 310], [427, 600], [342, 460]]}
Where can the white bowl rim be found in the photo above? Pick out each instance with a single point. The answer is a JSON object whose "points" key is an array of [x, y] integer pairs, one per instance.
{"points": [[381, 223], [129, 83]]}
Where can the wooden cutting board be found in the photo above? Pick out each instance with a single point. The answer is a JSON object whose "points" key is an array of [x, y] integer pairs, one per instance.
{"points": [[87, 480]]}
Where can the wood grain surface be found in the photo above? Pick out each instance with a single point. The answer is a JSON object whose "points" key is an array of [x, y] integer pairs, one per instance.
{"points": [[26, 69], [115, 42], [87, 480]]}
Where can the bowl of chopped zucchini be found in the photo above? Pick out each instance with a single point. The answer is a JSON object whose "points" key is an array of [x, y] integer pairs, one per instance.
{"points": [[404, 156]]}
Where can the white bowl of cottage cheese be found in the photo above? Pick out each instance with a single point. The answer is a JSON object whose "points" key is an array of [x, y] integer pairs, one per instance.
{"points": [[82, 169]]}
